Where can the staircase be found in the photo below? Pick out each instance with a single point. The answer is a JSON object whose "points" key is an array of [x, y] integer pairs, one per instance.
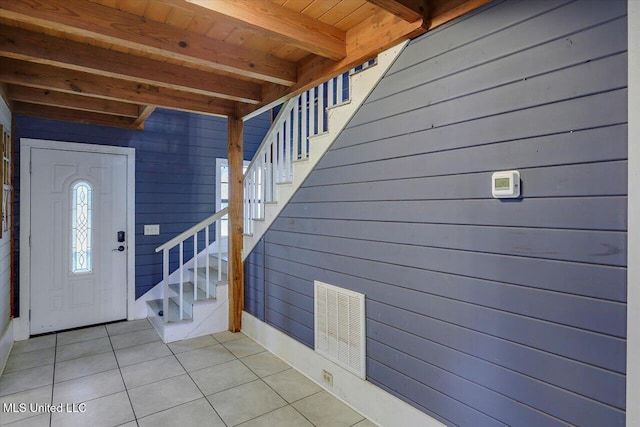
{"points": [[195, 297], [195, 292], [299, 136]]}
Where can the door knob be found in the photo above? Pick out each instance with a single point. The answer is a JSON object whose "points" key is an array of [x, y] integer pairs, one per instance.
{"points": [[119, 249]]}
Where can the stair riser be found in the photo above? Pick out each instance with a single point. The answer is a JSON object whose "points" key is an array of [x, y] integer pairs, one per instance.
{"points": [[209, 317], [186, 307], [214, 263], [188, 293]]}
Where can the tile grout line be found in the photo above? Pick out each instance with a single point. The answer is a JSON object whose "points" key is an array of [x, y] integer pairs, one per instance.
{"points": [[32, 367], [53, 377], [163, 357], [124, 384], [108, 335], [82, 357], [175, 355], [248, 382], [195, 383], [288, 403], [302, 398], [55, 347], [275, 391]]}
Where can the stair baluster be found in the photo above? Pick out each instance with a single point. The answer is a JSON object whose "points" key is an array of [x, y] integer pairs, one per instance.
{"points": [[288, 141], [178, 242]]}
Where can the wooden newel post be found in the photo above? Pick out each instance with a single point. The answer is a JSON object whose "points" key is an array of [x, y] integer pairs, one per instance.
{"points": [[236, 270]]}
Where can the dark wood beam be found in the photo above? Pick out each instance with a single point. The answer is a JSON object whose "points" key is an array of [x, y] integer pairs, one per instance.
{"points": [[67, 81], [56, 113], [87, 19], [276, 22], [236, 270], [37, 47], [71, 101], [408, 10]]}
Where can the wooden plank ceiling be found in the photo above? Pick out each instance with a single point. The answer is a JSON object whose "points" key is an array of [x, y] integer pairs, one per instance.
{"points": [[111, 62]]}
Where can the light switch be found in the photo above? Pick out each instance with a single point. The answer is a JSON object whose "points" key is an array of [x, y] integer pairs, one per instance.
{"points": [[152, 229]]}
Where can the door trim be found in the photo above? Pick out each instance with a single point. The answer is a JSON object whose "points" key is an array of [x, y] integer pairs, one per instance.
{"points": [[22, 326]]}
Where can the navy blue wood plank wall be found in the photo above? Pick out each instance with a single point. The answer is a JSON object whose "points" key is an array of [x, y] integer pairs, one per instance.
{"points": [[479, 312], [175, 171]]}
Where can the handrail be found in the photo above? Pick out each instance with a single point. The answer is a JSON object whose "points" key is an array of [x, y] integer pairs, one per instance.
{"points": [[287, 141], [281, 117], [188, 233], [179, 240]]}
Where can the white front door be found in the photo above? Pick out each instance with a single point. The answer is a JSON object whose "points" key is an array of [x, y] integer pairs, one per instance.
{"points": [[78, 263]]}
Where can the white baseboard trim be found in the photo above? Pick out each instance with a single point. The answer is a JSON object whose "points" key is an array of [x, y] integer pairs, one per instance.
{"points": [[372, 402], [6, 344]]}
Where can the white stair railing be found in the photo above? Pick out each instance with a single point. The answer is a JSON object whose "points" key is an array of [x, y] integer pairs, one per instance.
{"points": [[216, 220], [287, 141]]}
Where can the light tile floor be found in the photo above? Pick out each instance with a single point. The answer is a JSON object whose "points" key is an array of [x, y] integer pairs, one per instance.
{"points": [[126, 376]]}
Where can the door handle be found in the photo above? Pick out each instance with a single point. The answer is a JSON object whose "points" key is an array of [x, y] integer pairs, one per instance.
{"points": [[119, 249]]}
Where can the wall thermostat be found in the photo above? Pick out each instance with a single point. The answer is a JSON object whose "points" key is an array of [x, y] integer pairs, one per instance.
{"points": [[505, 184]]}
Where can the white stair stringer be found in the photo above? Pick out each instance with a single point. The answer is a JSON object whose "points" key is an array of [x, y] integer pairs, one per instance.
{"points": [[362, 83], [203, 317]]}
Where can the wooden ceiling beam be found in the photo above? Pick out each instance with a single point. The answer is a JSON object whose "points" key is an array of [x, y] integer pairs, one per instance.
{"points": [[408, 10], [87, 19], [448, 10], [57, 113], [74, 102], [275, 21], [79, 83], [30, 46], [144, 112], [364, 42]]}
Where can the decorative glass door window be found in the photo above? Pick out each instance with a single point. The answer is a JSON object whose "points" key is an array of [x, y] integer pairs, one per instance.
{"points": [[81, 230]]}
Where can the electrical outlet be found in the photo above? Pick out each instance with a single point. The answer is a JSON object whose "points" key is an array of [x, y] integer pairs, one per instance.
{"points": [[152, 229], [327, 377]]}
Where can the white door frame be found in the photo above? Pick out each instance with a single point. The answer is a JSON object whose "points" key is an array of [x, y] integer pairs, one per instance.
{"points": [[22, 326]]}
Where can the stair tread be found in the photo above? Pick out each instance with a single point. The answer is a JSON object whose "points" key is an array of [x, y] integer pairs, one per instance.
{"points": [[157, 305], [187, 292], [213, 272], [224, 256]]}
